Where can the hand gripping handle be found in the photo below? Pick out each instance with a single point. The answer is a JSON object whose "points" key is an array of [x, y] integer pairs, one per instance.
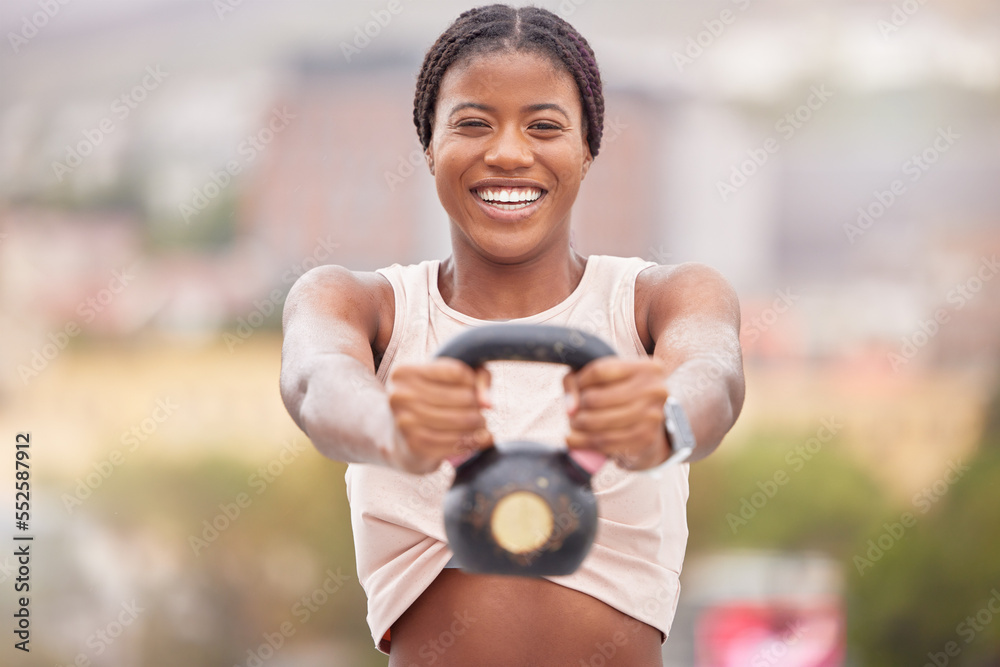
{"points": [[531, 342]]}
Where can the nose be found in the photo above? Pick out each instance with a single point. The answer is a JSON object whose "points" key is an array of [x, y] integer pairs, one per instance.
{"points": [[509, 150]]}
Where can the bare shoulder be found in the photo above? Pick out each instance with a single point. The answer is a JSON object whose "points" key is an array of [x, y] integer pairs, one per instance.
{"points": [[331, 308], [691, 292]]}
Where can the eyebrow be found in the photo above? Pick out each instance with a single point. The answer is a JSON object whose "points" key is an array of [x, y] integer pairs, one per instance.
{"points": [[529, 108]]}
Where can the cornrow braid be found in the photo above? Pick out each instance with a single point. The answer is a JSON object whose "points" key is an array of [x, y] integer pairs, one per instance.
{"points": [[500, 27]]}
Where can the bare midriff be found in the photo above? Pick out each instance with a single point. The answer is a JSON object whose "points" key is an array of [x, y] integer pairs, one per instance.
{"points": [[465, 620]]}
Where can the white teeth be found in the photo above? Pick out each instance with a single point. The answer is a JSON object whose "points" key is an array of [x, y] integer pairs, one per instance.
{"points": [[498, 196]]}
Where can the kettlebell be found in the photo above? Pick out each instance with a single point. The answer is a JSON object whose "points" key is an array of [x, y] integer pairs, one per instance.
{"points": [[522, 508]]}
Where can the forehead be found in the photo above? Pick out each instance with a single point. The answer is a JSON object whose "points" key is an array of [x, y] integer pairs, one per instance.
{"points": [[508, 75]]}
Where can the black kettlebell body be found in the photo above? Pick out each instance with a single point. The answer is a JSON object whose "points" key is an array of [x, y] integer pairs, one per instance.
{"points": [[522, 508]]}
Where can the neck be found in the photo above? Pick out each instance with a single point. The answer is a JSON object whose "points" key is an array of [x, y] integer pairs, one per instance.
{"points": [[487, 290]]}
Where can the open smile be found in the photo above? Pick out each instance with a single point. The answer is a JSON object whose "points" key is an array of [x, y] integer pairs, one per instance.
{"points": [[508, 202], [509, 199]]}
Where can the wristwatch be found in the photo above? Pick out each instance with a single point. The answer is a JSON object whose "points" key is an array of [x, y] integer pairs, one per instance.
{"points": [[679, 434]]}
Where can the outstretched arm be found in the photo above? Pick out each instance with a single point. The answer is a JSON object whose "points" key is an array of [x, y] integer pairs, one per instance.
{"points": [[331, 321], [688, 320], [693, 323], [334, 320]]}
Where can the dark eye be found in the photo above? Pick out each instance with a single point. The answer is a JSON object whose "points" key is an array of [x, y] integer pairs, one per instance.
{"points": [[472, 123], [543, 125]]}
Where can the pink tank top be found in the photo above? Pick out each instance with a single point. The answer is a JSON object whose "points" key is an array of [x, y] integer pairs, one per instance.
{"points": [[397, 518]]}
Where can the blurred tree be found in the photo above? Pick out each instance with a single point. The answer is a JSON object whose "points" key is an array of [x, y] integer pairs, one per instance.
{"points": [[933, 591], [773, 493]]}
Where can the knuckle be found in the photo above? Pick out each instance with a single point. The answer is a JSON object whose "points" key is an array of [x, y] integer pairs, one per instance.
{"points": [[581, 422], [396, 401], [454, 370], [472, 421], [405, 421], [598, 441]]}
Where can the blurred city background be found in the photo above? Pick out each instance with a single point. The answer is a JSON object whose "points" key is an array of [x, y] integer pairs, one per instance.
{"points": [[168, 168]]}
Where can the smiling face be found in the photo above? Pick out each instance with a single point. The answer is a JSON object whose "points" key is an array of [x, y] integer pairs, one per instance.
{"points": [[508, 153]]}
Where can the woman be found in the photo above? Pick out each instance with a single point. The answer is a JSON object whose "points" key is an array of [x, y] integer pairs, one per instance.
{"points": [[509, 109]]}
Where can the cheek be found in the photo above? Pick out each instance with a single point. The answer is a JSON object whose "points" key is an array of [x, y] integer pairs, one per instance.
{"points": [[448, 178], [569, 172], [567, 162]]}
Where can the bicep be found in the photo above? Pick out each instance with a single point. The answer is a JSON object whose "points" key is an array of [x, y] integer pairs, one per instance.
{"points": [[329, 311], [692, 312]]}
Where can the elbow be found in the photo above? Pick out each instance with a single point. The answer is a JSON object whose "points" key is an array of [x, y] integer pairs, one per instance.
{"points": [[737, 393], [293, 388]]}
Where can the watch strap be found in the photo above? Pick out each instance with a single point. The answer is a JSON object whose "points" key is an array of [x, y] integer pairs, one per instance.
{"points": [[680, 437]]}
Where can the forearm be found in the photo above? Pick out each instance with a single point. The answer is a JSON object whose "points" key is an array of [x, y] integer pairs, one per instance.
{"points": [[710, 389], [344, 410]]}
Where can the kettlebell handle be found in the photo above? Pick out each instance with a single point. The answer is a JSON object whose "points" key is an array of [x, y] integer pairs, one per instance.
{"points": [[506, 510], [526, 342]]}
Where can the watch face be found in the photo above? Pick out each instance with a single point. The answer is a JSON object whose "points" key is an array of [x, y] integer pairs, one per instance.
{"points": [[678, 426]]}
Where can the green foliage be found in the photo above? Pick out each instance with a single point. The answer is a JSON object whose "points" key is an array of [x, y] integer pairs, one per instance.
{"points": [[912, 599], [920, 594], [768, 494]]}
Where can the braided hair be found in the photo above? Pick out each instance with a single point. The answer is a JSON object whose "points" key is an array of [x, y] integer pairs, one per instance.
{"points": [[501, 27]]}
